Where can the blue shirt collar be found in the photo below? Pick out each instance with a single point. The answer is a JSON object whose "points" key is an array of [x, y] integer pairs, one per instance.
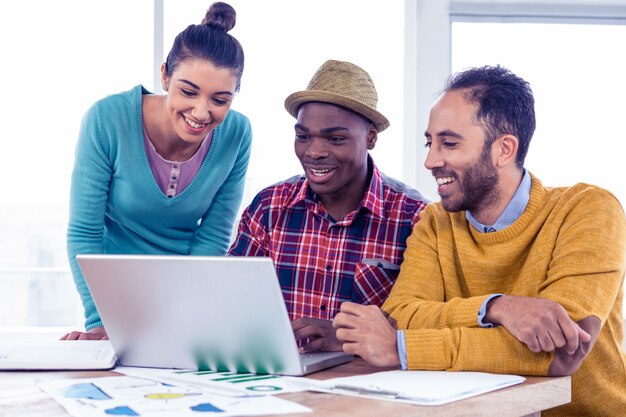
{"points": [[513, 210]]}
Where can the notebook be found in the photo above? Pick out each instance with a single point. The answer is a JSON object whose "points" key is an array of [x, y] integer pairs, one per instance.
{"points": [[198, 312], [47, 355], [417, 387]]}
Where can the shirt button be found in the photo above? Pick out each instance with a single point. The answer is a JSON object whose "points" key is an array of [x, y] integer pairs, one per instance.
{"points": [[174, 177], [328, 267], [323, 308]]}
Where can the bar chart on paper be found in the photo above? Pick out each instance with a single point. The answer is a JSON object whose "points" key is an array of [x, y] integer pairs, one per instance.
{"points": [[223, 383]]}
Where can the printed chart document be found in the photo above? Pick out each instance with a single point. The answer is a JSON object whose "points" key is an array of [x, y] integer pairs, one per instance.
{"points": [[231, 384], [130, 396], [57, 355], [417, 387]]}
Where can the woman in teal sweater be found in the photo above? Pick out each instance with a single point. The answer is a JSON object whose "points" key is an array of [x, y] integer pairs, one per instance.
{"points": [[163, 174]]}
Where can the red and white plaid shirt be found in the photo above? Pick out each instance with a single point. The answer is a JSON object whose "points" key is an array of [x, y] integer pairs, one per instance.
{"points": [[321, 262]]}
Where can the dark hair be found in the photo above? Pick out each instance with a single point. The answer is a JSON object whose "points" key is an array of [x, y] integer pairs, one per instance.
{"points": [[209, 40], [505, 103]]}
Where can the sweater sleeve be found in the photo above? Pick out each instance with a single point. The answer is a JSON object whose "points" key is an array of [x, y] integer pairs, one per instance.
{"points": [[417, 299], [492, 350], [91, 177], [216, 228]]}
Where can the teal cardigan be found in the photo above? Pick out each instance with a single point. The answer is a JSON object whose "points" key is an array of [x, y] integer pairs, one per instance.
{"points": [[116, 205]]}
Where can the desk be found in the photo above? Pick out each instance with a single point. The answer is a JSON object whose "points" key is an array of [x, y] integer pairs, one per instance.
{"points": [[20, 397]]}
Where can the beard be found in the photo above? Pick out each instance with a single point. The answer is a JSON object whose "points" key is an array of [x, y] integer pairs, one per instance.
{"points": [[477, 187]]}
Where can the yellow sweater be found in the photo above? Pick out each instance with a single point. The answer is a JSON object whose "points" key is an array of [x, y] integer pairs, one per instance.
{"points": [[568, 246]]}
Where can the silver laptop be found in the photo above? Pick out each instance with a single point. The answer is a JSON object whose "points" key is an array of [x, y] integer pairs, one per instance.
{"points": [[194, 312]]}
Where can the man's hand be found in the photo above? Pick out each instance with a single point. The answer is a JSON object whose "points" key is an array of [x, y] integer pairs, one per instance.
{"points": [[543, 325], [366, 332], [97, 333], [320, 333]]}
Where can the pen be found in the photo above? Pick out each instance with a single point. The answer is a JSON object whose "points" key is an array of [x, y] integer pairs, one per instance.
{"points": [[367, 391], [378, 392]]}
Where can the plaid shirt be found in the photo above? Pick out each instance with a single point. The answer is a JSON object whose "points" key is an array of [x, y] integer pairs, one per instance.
{"points": [[321, 262]]}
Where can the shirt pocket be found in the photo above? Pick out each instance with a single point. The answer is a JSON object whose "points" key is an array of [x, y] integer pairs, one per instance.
{"points": [[373, 279]]}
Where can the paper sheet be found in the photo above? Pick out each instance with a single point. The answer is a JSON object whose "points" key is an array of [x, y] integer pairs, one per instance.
{"points": [[223, 383], [130, 396], [418, 387]]}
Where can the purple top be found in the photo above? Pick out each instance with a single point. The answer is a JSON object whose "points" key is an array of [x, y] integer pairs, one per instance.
{"points": [[173, 177]]}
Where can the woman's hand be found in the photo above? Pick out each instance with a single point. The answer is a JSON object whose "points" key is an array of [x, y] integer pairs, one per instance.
{"points": [[97, 333]]}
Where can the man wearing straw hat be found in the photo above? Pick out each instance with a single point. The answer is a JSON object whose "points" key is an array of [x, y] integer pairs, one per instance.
{"points": [[338, 232]]}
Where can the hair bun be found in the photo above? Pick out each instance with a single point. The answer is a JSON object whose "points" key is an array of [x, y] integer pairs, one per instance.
{"points": [[220, 16]]}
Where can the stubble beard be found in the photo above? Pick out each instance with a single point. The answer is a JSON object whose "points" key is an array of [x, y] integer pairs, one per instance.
{"points": [[478, 187]]}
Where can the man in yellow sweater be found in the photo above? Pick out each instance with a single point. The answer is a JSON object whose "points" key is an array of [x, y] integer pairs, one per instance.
{"points": [[504, 274]]}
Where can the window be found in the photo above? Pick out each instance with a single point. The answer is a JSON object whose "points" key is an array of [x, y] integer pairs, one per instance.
{"points": [[82, 51], [62, 56], [568, 50], [59, 57]]}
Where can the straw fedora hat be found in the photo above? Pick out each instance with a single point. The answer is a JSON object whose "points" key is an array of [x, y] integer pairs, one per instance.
{"points": [[344, 84]]}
